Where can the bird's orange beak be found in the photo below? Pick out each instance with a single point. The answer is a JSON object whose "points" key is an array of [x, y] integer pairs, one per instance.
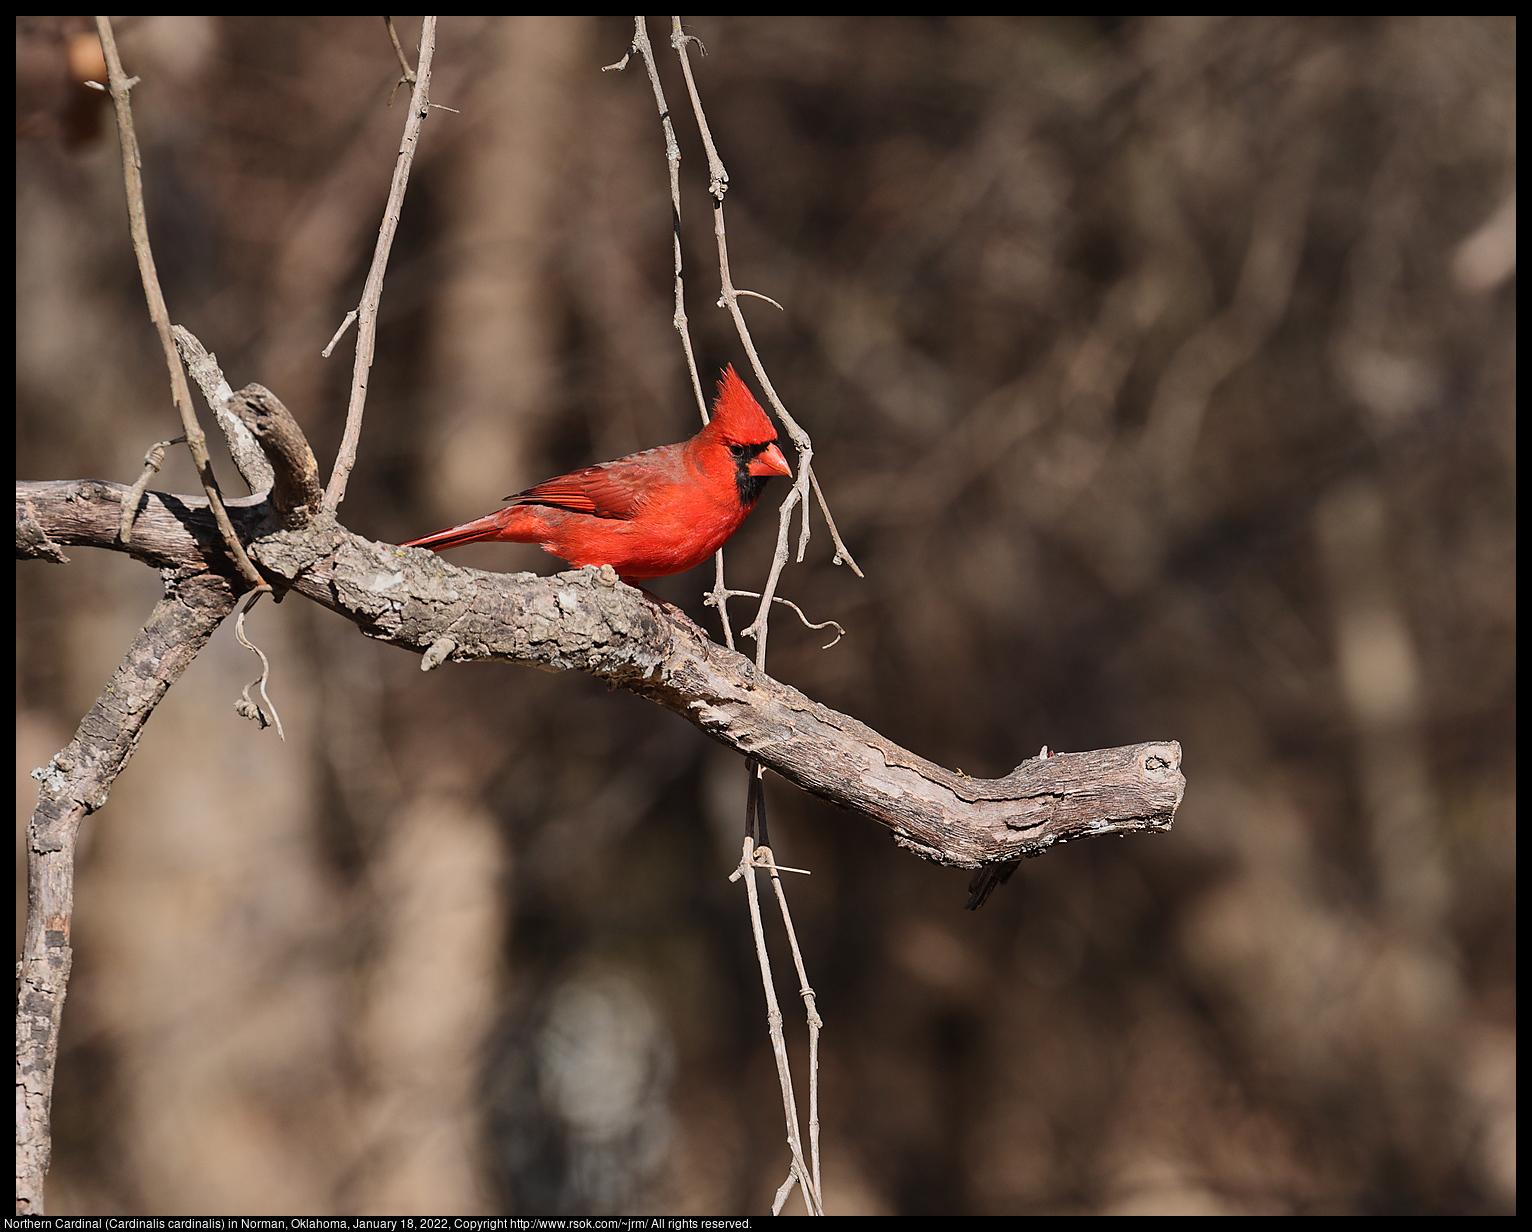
{"points": [[770, 462]]}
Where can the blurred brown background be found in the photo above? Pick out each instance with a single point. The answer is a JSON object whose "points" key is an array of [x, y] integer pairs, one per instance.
{"points": [[1161, 376]]}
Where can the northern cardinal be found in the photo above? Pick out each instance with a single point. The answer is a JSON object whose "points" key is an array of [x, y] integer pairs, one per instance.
{"points": [[651, 514]]}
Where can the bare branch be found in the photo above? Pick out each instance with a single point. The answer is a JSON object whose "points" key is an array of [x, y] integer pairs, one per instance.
{"points": [[842, 557], [719, 596], [340, 329], [407, 75], [718, 185], [154, 458], [749, 861], [645, 49], [372, 292], [76, 782], [758, 295], [813, 1194], [587, 621], [204, 369], [132, 168], [244, 707], [807, 623]]}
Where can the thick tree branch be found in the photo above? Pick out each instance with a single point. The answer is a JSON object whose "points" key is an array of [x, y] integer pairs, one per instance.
{"points": [[76, 782], [586, 620]]}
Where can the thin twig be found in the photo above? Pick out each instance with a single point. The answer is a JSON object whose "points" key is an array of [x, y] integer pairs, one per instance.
{"points": [[718, 181], [718, 185], [372, 293], [756, 835], [751, 858], [806, 991], [678, 320], [407, 74], [758, 295], [783, 1190], [755, 808], [258, 474], [755, 594], [246, 708], [842, 557], [344, 326], [758, 847], [119, 86], [645, 50], [153, 460]]}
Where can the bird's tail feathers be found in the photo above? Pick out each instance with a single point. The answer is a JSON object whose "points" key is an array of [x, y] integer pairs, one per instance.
{"points": [[491, 527]]}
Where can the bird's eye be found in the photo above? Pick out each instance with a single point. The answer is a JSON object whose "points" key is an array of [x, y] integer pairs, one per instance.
{"points": [[737, 450]]}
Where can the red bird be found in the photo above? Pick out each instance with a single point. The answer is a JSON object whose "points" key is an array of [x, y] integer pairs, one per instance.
{"points": [[650, 514]]}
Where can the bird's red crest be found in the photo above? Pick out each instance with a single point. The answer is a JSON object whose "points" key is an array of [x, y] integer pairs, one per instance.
{"points": [[737, 416]]}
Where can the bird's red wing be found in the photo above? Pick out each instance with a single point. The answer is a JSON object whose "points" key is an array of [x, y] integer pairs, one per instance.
{"points": [[610, 490]]}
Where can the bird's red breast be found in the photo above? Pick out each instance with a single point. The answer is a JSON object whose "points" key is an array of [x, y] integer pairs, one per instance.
{"points": [[650, 514]]}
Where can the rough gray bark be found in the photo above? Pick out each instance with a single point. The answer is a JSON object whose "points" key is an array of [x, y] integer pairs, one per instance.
{"points": [[588, 621], [76, 782]]}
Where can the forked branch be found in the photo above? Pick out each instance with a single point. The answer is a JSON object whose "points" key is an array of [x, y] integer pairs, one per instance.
{"points": [[588, 621]]}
